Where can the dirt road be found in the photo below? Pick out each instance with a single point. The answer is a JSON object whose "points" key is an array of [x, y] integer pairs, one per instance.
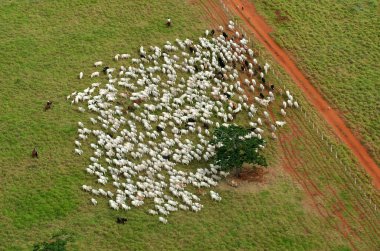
{"points": [[261, 29]]}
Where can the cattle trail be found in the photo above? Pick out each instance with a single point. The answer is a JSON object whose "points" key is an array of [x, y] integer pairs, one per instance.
{"points": [[256, 24]]}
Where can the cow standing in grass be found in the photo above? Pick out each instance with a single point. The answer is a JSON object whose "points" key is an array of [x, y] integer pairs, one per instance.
{"points": [[48, 105], [35, 153]]}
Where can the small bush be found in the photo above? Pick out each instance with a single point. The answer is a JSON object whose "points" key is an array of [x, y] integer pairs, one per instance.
{"points": [[56, 243]]}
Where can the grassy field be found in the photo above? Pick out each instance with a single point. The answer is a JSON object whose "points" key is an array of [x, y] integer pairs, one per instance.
{"points": [[336, 43], [42, 48]]}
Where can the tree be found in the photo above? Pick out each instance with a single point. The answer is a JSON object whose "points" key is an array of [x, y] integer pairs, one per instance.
{"points": [[57, 243], [233, 149]]}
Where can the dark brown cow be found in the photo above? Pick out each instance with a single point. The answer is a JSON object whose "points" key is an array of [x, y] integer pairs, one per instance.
{"points": [[121, 220], [35, 153], [48, 105], [168, 22]]}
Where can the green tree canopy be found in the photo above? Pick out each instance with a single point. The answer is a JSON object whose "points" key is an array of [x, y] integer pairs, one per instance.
{"points": [[233, 148], [57, 243]]}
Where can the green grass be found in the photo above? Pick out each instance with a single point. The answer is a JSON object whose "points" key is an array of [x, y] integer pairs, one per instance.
{"points": [[336, 43], [42, 48], [328, 180]]}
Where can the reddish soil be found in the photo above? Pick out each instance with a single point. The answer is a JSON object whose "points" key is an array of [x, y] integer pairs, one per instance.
{"points": [[280, 17], [291, 158], [253, 174], [258, 26], [292, 164]]}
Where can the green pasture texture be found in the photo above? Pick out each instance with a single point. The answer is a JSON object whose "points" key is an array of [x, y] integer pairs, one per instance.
{"points": [[338, 188], [43, 46], [336, 43], [330, 182]]}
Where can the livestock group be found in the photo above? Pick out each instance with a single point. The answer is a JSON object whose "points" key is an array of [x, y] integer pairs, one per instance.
{"points": [[151, 118]]}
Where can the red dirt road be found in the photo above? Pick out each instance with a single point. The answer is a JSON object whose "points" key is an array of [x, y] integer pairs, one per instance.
{"points": [[261, 29]]}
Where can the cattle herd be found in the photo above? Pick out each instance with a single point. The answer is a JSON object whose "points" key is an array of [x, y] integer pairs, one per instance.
{"points": [[150, 119]]}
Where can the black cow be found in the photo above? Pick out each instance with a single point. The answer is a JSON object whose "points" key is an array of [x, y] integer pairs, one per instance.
{"points": [[105, 69], [167, 157], [159, 128], [35, 153], [227, 95], [212, 32], [262, 95], [121, 220], [272, 87], [48, 105], [225, 35], [221, 62]]}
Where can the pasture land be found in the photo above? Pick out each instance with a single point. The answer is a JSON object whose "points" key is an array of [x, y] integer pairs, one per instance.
{"points": [[336, 44], [41, 53]]}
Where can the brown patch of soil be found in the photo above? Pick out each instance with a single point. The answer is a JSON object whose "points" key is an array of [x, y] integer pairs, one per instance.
{"points": [[280, 17], [251, 181], [253, 174]]}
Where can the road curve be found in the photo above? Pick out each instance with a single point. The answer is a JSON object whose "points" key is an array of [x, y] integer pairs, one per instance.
{"points": [[261, 29]]}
